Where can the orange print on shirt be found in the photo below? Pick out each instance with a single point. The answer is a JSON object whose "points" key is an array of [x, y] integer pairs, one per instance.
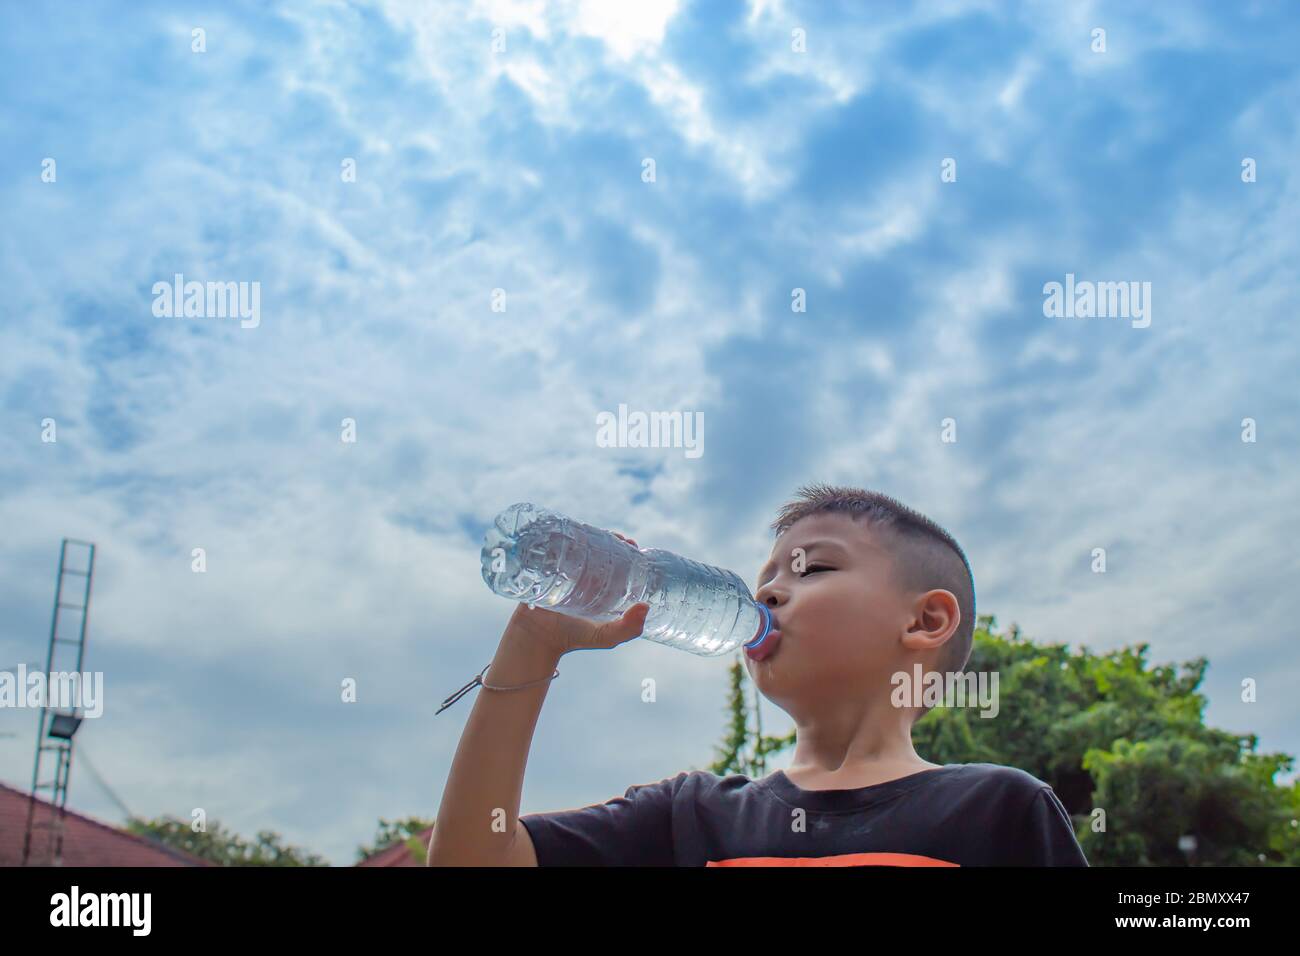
{"points": [[843, 859]]}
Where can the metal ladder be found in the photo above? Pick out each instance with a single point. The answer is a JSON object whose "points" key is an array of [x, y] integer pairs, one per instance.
{"points": [[49, 851]]}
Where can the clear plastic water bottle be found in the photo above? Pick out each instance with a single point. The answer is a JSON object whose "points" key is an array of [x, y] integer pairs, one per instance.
{"points": [[549, 560]]}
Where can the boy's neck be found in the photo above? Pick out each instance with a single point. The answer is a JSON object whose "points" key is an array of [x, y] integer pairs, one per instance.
{"points": [[848, 757], [855, 776]]}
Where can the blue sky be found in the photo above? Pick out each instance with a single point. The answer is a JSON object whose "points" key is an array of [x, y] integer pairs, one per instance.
{"points": [[522, 170]]}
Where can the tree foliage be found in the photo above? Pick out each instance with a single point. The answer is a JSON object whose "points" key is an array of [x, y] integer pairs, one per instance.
{"points": [[405, 831], [218, 845]]}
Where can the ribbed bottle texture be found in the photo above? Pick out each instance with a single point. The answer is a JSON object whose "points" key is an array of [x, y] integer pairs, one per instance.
{"points": [[549, 560]]}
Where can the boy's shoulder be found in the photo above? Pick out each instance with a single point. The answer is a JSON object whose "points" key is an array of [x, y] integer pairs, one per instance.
{"points": [[1001, 774], [1012, 778], [1005, 780]]}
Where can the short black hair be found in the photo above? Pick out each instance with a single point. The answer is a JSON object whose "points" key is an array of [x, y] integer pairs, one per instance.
{"points": [[925, 555]]}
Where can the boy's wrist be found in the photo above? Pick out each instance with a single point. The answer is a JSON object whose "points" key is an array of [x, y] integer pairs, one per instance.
{"points": [[521, 658]]}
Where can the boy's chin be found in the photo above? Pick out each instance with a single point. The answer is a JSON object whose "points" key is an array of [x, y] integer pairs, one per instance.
{"points": [[776, 676]]}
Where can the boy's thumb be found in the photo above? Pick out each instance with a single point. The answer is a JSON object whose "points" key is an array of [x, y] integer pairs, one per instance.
{"points": [[634, 617], [625, 628]]}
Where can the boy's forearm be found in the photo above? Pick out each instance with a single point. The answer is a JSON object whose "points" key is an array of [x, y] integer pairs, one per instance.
{"points": [[487, 773]]}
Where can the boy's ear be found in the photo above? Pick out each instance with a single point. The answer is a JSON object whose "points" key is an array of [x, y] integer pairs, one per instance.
{"points": [[935, 616]]}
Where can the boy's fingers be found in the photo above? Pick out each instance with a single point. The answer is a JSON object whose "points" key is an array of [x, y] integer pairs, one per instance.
{"points": [[632, 622]]}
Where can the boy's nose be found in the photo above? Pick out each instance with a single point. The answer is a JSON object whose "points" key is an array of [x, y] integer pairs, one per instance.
{"points": [[774, 600], [770, 594]]}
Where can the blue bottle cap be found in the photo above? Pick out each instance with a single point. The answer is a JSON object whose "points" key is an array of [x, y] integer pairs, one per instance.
{"points": [[764, 629]]}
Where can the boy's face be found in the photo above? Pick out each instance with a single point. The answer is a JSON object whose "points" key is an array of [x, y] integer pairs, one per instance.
{"points": [[841, 617]]}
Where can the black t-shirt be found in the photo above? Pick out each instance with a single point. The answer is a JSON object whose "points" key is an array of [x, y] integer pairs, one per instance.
{"points": [[965, 814]]}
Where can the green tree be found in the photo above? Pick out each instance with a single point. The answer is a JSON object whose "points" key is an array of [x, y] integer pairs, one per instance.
{"points": [[218, 845], [399, 831]]}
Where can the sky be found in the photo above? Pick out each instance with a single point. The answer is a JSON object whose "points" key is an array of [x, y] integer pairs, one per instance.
{"points": [[643, 190]]}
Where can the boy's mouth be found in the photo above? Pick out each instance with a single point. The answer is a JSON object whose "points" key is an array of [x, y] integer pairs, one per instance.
{"points": [[767, 646]]}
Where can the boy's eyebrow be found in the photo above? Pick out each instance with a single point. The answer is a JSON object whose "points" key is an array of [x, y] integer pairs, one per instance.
{"points": [[768, 570]]}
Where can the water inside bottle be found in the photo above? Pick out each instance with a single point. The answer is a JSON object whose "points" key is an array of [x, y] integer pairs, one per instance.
{"points": [[550, 561]]}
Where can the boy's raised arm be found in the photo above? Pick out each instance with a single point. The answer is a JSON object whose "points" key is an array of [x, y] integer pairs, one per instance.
{"points": [[478, 821], [479, 815]]}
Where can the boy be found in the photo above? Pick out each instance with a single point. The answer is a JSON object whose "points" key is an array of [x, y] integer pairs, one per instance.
{"points": [[861, 588]]}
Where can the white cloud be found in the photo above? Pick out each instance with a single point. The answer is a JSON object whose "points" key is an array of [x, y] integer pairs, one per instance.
{"points": [[628, 29]]}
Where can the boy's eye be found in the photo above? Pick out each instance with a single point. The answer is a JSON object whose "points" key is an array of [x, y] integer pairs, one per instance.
{"points": [[815, 567]]}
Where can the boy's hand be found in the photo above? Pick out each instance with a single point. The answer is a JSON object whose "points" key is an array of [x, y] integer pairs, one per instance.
{"points": [[561, 633]]}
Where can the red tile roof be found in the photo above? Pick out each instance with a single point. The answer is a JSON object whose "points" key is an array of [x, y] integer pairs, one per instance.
{"points": [[399, 854], [86, 842]]}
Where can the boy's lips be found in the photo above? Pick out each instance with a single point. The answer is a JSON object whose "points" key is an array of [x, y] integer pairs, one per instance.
{"points": [[766, 647]]}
